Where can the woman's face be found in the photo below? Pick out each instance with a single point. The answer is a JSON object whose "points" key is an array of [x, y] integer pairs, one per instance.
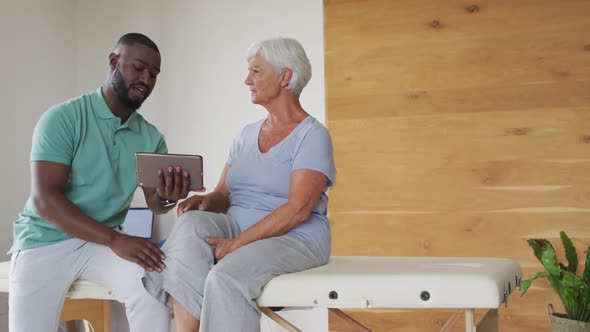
{"points": [[263, 80]]}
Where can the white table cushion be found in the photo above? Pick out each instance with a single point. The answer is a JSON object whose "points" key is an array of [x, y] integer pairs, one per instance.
{"points": [[397, 282]]}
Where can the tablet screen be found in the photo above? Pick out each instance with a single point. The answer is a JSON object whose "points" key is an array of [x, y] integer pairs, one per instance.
{"points": [[139, 222]]}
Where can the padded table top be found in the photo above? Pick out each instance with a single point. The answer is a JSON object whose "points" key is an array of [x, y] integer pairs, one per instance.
{"points": [[397, 282]]}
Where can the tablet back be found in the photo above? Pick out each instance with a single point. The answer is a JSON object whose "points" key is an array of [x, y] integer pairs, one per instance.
{"points": [[148, 164]]}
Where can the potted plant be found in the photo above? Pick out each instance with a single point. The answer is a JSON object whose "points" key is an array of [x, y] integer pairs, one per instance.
{"points": [[573, 290]]}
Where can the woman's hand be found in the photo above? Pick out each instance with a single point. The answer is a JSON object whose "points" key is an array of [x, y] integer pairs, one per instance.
{"points": [[223, 247], [196, 202]]}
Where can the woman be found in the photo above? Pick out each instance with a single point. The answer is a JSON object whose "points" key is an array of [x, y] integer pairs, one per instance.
{"points": [[267, 215]]}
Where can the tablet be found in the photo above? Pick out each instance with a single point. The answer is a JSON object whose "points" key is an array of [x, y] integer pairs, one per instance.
{"points": [[147, 165], [139, 222]]}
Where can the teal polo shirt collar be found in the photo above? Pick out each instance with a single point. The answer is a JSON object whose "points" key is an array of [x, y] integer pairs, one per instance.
{"points": [[103, 111]]}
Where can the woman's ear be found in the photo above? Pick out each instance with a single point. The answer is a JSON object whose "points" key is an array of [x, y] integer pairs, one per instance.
{"points": [[286, 76]]}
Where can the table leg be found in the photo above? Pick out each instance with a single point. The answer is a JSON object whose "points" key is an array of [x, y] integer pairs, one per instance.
{"points": [[279, 319], [470, 320]]}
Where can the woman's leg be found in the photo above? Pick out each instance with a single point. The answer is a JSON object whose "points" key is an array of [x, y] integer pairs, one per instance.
{"points": [[188, 261], [237, 280], [185, 322]]}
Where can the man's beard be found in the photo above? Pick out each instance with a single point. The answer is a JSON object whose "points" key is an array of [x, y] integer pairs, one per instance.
{"points": [[123, 92]]}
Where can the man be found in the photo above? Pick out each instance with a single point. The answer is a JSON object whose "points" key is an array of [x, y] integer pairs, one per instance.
{"points": [[82, 181]]}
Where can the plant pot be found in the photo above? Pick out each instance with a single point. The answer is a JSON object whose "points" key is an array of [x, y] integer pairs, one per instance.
{"points": [[560, 323]]}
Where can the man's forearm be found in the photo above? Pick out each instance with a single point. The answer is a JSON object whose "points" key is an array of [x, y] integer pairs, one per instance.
{"points": [[56, 208]]}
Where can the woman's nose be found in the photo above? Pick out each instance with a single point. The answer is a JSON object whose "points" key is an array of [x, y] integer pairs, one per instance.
{"points": [[248, 79]]}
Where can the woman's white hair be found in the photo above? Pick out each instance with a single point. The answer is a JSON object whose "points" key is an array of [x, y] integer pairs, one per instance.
{"points": [[284, 53]]}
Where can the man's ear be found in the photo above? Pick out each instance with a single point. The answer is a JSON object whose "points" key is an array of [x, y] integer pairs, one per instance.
{"points": [[113, 59], [286, 76]]}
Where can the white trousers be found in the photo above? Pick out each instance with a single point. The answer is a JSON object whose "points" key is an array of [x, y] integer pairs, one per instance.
{"points": [[40, 278]]}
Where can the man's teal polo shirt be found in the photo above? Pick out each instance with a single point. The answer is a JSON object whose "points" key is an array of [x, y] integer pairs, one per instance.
{"points": [[83, 134]]}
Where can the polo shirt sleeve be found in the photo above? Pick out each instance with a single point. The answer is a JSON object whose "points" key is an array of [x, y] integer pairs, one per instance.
{"points": [[316, 153], [162, 147], [54, 137]]}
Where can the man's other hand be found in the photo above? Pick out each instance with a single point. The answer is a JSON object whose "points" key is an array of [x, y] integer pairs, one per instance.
{"points": [[138, 250]]}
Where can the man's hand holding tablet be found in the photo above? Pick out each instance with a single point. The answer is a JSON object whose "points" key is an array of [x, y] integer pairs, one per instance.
{"points": [[174, 175]]}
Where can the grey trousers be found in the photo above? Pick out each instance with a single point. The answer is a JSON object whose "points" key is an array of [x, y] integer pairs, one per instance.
{"points": [[222, 296]]}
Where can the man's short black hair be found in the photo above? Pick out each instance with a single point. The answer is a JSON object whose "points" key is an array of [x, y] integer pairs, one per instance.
{"points": [[134, 37]]}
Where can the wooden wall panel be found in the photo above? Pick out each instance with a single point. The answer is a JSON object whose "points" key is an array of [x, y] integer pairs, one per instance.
{"points": [[460, 128]]}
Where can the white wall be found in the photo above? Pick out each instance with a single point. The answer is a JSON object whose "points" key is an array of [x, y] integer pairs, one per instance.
{"points": [[99, 24], [37, 71], [58, 49]]}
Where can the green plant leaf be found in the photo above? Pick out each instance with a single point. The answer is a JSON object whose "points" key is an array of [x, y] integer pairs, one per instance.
{"points": [[586, 299], [570, 252], [525, 284], [572, 289], [545, 253], [555, 283], [573, 293], [571, 280], [586, 275]]}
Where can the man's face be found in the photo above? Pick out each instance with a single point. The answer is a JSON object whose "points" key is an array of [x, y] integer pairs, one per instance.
{"points": [[135, 73]]}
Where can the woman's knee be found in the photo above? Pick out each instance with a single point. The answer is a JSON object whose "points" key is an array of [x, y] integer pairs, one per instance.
{"points": [[201, 223]]}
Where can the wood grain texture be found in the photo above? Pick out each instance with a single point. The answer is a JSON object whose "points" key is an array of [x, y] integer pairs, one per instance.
{"points": [[460, 128], [97, 312]]}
